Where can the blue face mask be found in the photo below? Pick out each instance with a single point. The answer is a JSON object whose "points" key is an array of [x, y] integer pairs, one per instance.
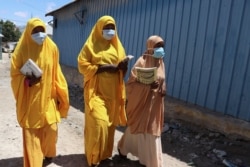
{"points": [[108, 34], [158, 52], [39, 37]]}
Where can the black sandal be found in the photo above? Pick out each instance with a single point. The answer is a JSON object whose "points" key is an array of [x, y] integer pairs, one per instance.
{"points": [[121, 155]]}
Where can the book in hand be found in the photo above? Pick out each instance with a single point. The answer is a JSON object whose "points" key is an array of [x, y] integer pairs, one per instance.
{"points": [[30, 67], [128, 57], [146, 75]]}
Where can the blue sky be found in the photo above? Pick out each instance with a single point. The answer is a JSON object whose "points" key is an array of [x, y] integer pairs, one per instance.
{"points": [[20, 11]]}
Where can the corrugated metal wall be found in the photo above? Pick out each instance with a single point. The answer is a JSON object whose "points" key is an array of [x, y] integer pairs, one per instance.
{"points": [[207, 44]]}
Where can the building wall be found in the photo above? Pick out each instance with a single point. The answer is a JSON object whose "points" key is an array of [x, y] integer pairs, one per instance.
{"points": [[207, 44]]}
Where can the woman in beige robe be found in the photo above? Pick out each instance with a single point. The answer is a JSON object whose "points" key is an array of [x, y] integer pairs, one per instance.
{"points": [[145, 109]]}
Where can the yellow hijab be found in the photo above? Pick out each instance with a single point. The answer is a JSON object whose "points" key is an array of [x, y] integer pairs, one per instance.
{"points": [[26, 43], [95, 46]]}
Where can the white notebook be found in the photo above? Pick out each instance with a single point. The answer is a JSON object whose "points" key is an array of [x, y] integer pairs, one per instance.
{"points": [[146, 75], [130, 57], [31, 67]]}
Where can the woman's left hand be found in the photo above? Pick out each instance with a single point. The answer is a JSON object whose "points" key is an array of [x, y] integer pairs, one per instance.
{"points": [[123, 65], [154, 85]]}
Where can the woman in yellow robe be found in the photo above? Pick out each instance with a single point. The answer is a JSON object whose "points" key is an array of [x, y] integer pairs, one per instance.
{"points": [[103, 63], [42, 101], [145, 108]]}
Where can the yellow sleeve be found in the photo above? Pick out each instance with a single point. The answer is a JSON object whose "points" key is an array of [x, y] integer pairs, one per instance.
{"points": [[85, 66], [61, 90], [17, 78]]}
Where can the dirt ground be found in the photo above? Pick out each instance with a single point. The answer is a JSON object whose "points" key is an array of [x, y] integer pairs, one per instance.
{"points": [[183, 144]]}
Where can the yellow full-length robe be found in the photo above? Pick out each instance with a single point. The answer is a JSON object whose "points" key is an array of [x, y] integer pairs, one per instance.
{"points": [[44, 103], [104, 93]]}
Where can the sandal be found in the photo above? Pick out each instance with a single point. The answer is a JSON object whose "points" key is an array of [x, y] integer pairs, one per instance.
{"points": [[121, 155]]}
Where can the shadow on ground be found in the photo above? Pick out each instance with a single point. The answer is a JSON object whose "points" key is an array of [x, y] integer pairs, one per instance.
{"points": [[76, 97], [74, 160], [11, 162], [188, 142]]}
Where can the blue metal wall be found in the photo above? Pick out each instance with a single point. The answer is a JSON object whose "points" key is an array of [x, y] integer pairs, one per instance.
{"points": [[207, 44]]}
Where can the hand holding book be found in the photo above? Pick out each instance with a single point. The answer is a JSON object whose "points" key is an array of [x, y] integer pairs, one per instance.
{"points": [[31, 80], [129, 57], [32, 72], [123, 65], [154, 85], [31, 68]]}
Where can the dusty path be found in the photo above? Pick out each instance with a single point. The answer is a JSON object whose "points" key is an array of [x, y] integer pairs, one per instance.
{"points": [[70, 141]]}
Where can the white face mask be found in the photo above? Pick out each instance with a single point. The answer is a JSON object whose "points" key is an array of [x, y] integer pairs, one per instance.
{"points": [[39, 37], [108, 34]]}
